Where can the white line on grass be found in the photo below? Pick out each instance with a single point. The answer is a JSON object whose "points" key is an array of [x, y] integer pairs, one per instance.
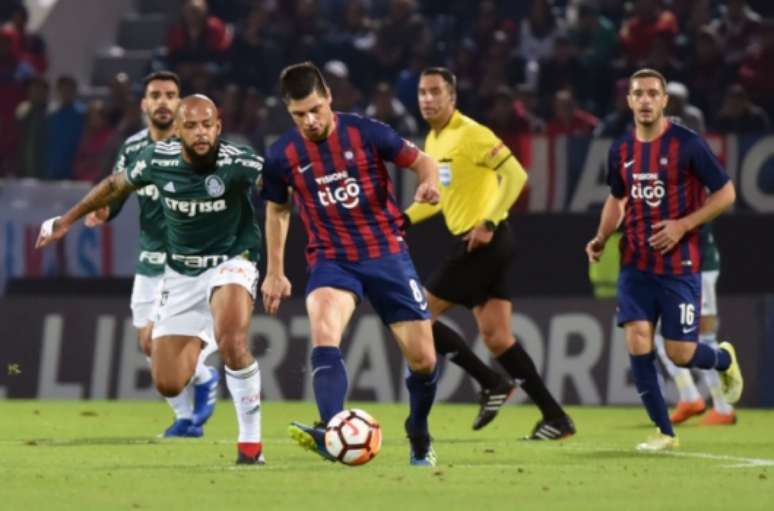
{"points": [[739, 462]]}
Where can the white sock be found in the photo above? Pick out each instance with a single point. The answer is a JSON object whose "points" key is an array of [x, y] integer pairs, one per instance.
{"points": [[245, 388], [182, 404], [712, 380], [685, 384], [202, 373], [682, 376]]}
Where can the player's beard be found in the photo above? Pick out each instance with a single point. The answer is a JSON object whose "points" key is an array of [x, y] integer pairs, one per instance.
{"points": [[202, 163], [162, 125]]}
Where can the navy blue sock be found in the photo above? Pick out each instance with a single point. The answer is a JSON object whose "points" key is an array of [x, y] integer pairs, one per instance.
{"points": [[329, 378], [421, 389], [707, 357], [646, 381]]}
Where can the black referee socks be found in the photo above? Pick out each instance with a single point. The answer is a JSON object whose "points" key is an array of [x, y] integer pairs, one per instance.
{"points": [[520, 366], [449, 342]]}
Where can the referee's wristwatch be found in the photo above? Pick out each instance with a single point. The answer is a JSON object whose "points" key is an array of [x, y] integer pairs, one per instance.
{"points": [[489, 225]]}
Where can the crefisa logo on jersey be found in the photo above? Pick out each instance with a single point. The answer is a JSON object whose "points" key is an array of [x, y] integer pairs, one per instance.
{"points": [[214, 186], [648, 187]]}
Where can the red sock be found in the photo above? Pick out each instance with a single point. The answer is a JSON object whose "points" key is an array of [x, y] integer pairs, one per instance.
{"points": [[251, 449]]}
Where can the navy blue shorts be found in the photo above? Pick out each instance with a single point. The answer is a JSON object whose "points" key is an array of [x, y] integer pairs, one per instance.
{"points": [[389, 282], [675, 299]]}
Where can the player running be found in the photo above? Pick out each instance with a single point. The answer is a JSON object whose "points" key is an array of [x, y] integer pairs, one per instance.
{"points": [[657, 176], [196, 403], [334, 165], [212, 244]]}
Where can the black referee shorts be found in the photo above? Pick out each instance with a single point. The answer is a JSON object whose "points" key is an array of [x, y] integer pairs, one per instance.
{"points": [[472, 278]]}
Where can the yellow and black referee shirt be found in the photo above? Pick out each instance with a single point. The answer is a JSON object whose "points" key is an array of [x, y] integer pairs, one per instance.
{"points": [[469, 156]]}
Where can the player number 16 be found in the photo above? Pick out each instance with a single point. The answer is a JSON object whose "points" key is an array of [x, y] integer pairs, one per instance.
{"points": [[687, 312]]}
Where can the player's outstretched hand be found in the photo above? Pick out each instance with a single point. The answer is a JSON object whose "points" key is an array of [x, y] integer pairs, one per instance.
{"points": [[594, 249], [666, 235], [97, 217], [274, 289], [427, 192], [50, 231]]}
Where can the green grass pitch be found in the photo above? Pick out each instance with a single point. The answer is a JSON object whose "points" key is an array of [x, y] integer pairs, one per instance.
{"points": [[57, 455]]}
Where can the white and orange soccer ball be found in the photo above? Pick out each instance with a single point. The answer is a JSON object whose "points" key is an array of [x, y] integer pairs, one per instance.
{"points": [[353, 437]]}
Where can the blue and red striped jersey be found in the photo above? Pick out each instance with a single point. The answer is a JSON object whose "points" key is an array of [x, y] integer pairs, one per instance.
{"points": [[341, 187], [664, 179]]}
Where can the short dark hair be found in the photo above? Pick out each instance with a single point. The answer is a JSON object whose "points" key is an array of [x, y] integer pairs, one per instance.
{"points": [[164, 76], [300, 80], [647, 72], [444, 73]]}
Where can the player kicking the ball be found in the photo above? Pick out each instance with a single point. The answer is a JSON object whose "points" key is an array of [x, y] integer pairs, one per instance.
{"points": [[334, 165]]}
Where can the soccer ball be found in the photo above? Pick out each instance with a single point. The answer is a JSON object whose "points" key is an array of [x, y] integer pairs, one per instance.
{"points": [[353, 437]]}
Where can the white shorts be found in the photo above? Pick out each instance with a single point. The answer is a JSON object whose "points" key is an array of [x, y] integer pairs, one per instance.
{"points": [[144, 292], [709, 298], [183, 305]]}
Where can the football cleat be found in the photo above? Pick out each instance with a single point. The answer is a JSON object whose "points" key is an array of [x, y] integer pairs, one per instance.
{"points": [[659, 442], [687, 409], [731, 381], [490, 401], [552, 429], [205, 397], [311, 438], [715, 418], [182, 428], [250, 454], [422, 453]]}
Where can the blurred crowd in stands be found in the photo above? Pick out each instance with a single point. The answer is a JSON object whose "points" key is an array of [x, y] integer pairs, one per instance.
{"points": [[523, 67]]}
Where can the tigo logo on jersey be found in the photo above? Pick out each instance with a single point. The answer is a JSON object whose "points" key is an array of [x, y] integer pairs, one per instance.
{"points": [[214, 185], [348, 194], [652, 190]]}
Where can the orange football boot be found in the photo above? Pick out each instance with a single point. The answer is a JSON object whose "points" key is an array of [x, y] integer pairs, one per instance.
{"points": [[687, 409], [715, 418]]}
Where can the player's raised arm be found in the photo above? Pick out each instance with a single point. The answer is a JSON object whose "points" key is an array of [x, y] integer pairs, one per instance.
{"points": [[113, 187], [276, 285]]}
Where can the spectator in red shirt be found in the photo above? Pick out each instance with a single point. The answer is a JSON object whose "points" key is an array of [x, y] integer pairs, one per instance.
{"points": [[28, 47], [13, 74], [198, 39], [568, 119], [649, 22], [92, 159]]}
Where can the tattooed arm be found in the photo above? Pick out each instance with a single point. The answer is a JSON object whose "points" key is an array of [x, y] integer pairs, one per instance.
{"points": [[114, 187]]}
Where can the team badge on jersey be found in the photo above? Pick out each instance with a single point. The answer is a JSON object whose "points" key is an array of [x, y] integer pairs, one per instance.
{"points": [[215, 186]]}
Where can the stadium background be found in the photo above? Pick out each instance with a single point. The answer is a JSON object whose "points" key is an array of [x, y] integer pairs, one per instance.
{"points": [[545, 76]]}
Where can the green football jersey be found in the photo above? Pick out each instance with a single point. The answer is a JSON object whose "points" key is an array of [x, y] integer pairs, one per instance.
{"points": [[208, 214], [710, 257], [153, 232]]}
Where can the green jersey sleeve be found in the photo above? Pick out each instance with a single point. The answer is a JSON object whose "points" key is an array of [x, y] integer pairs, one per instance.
{"points": [[139, 172], [247, 164], [118, 167]]}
